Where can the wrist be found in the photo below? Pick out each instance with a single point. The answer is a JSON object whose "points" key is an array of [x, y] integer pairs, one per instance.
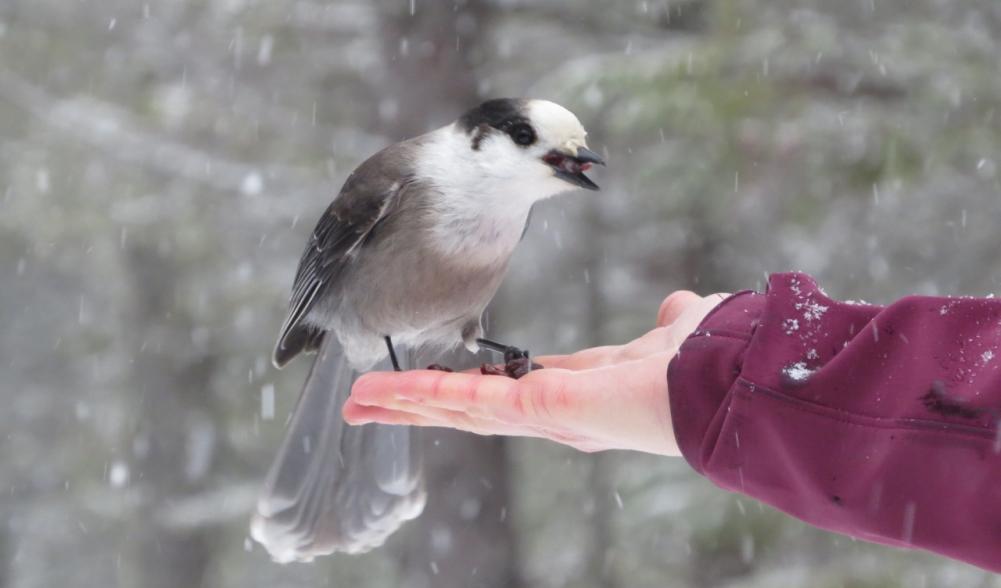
{"points": [[701, 375]]}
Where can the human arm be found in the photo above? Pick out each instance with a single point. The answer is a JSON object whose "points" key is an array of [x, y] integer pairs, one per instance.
{"points": [[879, 423], [876, 422]]}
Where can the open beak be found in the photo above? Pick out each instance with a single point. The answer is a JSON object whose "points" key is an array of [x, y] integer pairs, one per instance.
{"points": [[571, 168]]}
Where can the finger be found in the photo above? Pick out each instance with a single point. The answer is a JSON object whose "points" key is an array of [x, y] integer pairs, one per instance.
{"points": [[542, 398], [695, 313], [425, 416], [464, 390], [578, 360], [411, 413], [429, 414], [356, 414], [499, 398], [683, 305], [581, 360], [654, 341], [674, 305]]}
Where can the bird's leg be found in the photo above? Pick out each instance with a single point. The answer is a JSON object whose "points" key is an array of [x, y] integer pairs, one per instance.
{"points": [[517, 362], [440, 368], [510, 351], [396, 362], [392, 354]]}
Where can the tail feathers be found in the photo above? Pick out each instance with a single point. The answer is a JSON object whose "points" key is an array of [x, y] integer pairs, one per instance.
{"points": [[335, 487], [298, 339]]}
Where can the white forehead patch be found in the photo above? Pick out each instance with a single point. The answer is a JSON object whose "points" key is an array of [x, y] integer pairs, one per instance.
{"points": [[556, 125]]}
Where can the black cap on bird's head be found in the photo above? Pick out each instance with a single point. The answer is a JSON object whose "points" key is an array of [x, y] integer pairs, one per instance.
{"points": [[537, 130]]}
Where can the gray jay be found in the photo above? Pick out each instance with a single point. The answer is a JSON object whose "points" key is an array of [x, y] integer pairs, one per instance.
{"points": [[408, 255]]}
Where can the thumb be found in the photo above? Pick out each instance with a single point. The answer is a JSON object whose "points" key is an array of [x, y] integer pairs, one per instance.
{"points": [[675, 304]]}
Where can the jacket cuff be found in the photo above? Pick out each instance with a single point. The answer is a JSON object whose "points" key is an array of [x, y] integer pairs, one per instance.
{"points": [[701, 375]]}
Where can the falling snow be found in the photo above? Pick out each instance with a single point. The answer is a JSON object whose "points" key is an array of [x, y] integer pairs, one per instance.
{"points": [[252, 184], [268, 402], [163, 164], [118, 474]]}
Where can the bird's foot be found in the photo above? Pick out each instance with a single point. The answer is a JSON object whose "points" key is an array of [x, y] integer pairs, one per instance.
{"points": [[440, 368], [517, 362], [489, 369], [514, 368]]}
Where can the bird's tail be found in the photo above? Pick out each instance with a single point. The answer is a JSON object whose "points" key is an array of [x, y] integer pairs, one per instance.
{"points": [[335, 487]]}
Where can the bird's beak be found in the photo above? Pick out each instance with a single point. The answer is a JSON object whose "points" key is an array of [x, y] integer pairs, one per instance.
{"points": [[585, 155], [571, 167]]}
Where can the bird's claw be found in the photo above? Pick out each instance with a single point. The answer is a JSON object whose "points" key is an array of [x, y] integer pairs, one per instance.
{"points": [[489, 369], [513, 368], [520, 366]]}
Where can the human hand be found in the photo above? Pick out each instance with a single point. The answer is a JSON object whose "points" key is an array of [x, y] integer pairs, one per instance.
{"points": [[611, 397]]}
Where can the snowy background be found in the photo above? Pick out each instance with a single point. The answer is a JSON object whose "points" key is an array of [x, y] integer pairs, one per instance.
{"points": [[162, 163]]}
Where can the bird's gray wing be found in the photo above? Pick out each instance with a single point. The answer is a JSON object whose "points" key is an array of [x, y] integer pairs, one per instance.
{"points": [[369, 195], [335, 487]]}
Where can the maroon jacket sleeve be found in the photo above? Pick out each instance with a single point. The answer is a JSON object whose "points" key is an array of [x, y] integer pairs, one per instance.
{"points": [[879, 423]]}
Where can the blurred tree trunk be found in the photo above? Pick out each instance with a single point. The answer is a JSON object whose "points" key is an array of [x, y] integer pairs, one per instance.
{"points": [[5, 557], [431, 58], [172, 442], [601, 485], [463, 539]]}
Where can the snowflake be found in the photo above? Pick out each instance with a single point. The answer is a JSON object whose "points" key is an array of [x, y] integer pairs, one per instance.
{"points": [[798, 372], [790, 326], [813, 310]]}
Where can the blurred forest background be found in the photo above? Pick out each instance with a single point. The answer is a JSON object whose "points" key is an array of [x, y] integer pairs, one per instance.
{"points": [[162, 164]]}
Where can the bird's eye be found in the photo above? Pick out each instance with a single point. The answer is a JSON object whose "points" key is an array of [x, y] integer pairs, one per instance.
{"points": [[522, 134]]}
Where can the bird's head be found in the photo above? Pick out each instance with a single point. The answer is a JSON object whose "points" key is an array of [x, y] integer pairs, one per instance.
{"points": [[534, 142]]}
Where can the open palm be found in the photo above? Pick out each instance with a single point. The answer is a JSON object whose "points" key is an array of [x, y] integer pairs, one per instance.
{"points": [[611, 397]]}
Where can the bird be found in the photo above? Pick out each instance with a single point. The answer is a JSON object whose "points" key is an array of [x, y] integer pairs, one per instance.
{"points": [[406, 257]]}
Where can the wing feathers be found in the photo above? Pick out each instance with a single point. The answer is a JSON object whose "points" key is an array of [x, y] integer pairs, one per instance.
{"points": [[368, 197]]}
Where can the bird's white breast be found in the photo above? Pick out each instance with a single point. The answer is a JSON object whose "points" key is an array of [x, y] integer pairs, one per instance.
{"points": [[482, 197]]}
